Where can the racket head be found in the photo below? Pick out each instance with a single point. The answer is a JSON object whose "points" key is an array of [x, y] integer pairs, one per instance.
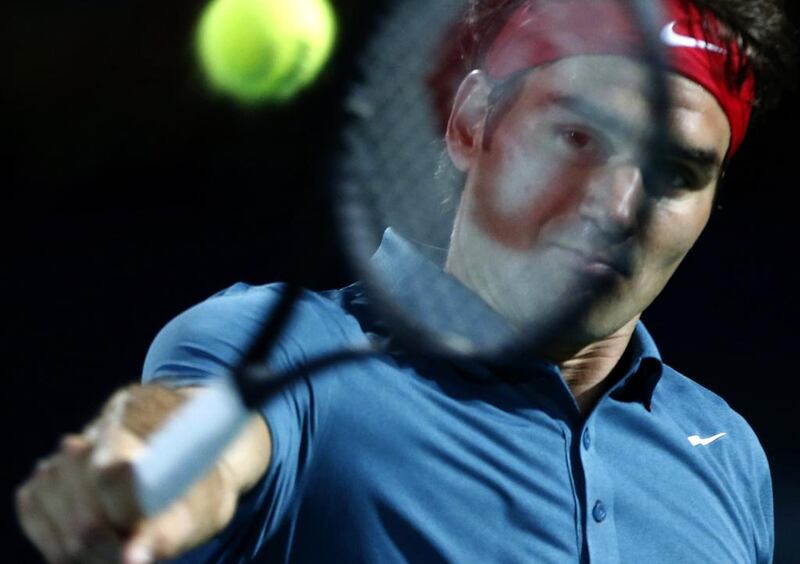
{"points": [[523, 267]]}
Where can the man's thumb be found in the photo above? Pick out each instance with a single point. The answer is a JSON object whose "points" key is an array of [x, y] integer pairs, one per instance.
{"points": [[164, 536]]}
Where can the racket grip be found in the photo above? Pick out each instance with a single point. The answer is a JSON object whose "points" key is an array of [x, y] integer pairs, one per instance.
{"points": [[187, 446]]}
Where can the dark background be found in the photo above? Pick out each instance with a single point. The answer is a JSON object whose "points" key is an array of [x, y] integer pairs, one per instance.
{"points": [[130, 193]]}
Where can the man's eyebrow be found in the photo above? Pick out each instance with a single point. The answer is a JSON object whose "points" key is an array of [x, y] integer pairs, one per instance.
{"points": [[576, 103], [699, 156], [597, 115]]}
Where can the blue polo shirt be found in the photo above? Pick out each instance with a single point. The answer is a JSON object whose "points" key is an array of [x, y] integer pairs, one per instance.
{"points": [[402, 459]]}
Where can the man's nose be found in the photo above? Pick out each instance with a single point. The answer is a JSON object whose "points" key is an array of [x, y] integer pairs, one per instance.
{"points": [[615, 199]]}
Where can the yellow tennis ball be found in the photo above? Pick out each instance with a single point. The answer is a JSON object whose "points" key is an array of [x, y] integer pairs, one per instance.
{"points": [[264, 50]]}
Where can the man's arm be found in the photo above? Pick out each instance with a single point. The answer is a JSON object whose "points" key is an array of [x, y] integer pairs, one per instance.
{"points": [[78, 504]]}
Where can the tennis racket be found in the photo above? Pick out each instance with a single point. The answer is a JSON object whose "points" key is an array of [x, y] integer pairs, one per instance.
{"points": [[507, 259]]}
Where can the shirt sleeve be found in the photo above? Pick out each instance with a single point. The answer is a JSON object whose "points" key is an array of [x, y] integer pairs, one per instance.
{"points": [[207, 341], [763, 505]]}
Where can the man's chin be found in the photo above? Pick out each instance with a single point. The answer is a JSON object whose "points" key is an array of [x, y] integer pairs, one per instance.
{"points": [[590, 328]]}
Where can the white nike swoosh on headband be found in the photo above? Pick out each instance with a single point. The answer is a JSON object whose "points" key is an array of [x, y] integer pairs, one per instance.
{"points": [[674, 39]]}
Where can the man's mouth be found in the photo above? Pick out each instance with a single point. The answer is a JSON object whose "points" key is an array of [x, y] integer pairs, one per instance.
{"points": [[596, 262]]}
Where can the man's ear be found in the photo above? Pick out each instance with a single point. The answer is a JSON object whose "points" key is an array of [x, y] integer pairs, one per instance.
{"points": [[467, 120]]}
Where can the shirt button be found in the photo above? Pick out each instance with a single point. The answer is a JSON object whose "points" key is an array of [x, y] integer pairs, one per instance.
{"points": [[587, 439], [599, 512]]}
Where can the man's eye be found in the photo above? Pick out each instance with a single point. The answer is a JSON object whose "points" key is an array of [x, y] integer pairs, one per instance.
{"points": [[679, 176], [581, 144], [578, 139]]}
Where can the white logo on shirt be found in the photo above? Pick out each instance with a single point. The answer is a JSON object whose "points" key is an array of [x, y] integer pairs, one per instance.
{"points": [[675, 39], [697, 441]]}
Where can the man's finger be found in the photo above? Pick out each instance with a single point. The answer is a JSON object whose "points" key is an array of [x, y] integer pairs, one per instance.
{"points": [[88, 531], [138, 553], [37, 526], [116, 494], [167, 535], [50, 496], [111, 471], [207, 507]]}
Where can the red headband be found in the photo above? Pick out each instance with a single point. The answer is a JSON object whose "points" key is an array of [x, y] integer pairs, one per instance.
{"points": [[543, 31]]}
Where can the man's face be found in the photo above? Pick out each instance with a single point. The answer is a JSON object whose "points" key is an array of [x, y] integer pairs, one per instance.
{"points": [[613, 229]]}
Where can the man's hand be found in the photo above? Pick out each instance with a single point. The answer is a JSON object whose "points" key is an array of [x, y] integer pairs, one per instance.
{"points": [[79, 504]]}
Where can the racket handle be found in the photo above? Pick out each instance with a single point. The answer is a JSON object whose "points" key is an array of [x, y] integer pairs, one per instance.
{"points": [[187, 446]]}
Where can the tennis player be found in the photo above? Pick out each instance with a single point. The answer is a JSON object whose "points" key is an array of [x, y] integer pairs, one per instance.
{"points": [[596, 452]]}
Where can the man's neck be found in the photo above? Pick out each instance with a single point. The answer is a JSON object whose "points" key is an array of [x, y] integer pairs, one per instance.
{"points": [[587, 371]]}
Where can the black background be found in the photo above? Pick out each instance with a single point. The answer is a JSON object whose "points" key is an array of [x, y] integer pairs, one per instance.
{"points": [[130, 193]]}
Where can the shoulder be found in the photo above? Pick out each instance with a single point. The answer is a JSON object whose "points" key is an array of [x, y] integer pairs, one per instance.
{"points": [[709, 422], [728, 446], [212, 335], [699, 408]]}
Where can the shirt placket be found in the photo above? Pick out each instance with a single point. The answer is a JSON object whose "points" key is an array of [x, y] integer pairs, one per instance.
{"points": [[599, 512]]}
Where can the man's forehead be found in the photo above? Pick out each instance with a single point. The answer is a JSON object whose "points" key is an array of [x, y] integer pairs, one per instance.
{"points": [[608, 83], [595, 72]]}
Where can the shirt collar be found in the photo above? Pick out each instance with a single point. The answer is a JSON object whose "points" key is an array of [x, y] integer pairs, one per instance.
{"points": [[642, 370]]}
